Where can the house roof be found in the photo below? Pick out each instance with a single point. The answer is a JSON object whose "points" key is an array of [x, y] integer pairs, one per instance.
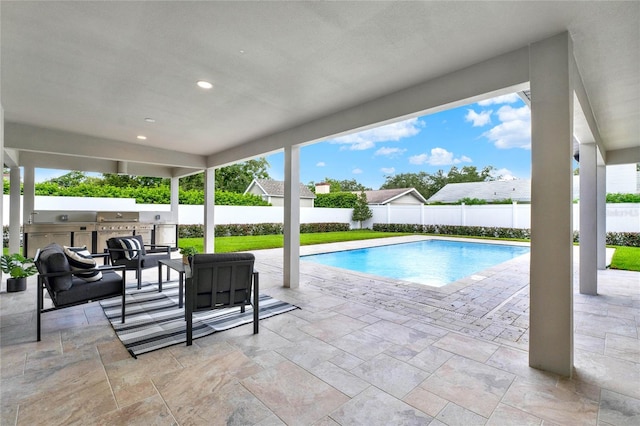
{"points": [[385, 196], [516, 190], [275, 188]]}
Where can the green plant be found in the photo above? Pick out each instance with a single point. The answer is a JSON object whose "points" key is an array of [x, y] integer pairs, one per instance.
{"points": [[17, 266], [188, 251]]}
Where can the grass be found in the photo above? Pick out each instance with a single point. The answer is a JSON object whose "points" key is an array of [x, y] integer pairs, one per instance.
{"points": [[258, 242], [626, 258]]}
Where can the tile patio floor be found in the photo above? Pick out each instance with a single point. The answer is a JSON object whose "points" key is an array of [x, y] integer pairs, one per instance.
{"points": [[361, 351]]}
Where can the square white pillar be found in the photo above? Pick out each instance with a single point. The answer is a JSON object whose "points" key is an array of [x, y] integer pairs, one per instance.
{"points": [[209, 209], [291, 217], [14, 210], [588, 219], [175, 198], [601, 228], [551, 268]]}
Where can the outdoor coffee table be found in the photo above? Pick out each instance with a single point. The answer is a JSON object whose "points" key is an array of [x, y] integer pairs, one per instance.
{"points": [[176, 265]]}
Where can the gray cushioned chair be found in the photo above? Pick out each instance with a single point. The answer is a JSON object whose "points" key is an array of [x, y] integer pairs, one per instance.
{"points": [[136, 258], [220, 281], [66, 287]]}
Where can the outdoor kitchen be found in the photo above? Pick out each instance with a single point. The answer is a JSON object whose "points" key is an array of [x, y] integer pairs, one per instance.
{"points": [[93, 228]]}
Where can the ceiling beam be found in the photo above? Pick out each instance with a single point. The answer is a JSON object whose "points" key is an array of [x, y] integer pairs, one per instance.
{"points": [[25, 137]]}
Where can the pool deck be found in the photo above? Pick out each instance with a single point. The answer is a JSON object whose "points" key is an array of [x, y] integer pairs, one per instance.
{"points": [[361, 350]]}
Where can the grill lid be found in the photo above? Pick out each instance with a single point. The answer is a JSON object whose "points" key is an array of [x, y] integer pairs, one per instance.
{"points": [[118, 216]]}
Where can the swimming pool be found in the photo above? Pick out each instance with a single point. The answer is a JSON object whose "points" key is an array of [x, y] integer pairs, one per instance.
{"points": [[430, 262]]}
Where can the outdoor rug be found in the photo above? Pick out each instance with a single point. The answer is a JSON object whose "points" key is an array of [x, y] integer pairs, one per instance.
{"points": [[153, 320]]}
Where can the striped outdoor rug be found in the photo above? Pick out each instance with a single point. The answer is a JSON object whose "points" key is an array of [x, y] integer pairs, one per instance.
{"points": [[154, 321]]}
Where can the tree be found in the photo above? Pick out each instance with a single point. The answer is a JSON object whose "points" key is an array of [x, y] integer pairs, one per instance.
{"points": [[421, 181], [124, 181], [361, 210], [335, 185], [237, 177], [73, 178], [233, 178], [428, 184]]}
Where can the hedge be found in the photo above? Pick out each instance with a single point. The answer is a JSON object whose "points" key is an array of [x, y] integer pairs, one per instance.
{"points": [[197, 231], [629, 239]]}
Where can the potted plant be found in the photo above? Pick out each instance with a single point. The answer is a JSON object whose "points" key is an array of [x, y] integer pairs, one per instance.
{"points": [[187, 254], [19, 268]]}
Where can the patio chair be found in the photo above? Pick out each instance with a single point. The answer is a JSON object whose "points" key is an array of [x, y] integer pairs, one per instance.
{"points": [[221, 281], [71, 278], [131, 253]]}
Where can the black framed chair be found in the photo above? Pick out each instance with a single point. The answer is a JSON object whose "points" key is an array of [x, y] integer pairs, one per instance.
{"points": [[131, 252], [219, 281], [70, 283]]}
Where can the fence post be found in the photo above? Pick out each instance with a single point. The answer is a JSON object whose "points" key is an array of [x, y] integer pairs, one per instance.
{"points": [[463, 215], [388, 214], [514, 214]]}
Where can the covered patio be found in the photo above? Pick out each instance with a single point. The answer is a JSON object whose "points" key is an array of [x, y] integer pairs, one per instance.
{"points": [[361, 350], [111, 87]]}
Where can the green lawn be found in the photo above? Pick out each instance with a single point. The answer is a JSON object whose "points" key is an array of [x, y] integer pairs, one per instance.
{"points": [[627, 258], [231, 244]]}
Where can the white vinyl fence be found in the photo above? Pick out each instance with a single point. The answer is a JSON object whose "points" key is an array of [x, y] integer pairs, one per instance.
{"points": [[620, 217]]}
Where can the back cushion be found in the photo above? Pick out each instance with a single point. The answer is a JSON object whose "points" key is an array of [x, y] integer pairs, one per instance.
{"points": [[80, 260], [132, 247], [53, 259]]}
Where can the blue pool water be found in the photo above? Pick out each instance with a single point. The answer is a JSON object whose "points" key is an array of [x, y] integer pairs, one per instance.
{"points": [[430, 262]]}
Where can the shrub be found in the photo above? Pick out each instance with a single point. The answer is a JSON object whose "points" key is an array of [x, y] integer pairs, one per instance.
{"points": [[237, 230], [344, 200], [629, 239]]}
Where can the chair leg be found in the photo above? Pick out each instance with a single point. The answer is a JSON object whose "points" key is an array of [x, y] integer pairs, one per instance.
{"points": [[39, 308], [139, 276], [256, 304]]}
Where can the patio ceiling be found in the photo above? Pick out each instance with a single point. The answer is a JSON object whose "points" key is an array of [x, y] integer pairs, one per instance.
{"points": [[79, 78]]}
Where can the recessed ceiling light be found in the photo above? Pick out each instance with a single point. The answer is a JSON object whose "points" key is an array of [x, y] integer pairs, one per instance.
{"points": [[242, 52], [142, 138], [204, 84], [150, 120]]}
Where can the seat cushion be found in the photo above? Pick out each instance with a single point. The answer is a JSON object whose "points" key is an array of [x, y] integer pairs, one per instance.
{"points": [[82, 291], [80, 260], [53, 259]]}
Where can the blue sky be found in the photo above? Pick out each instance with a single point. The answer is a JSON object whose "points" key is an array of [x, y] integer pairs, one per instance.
{"points": [[494, 132]]}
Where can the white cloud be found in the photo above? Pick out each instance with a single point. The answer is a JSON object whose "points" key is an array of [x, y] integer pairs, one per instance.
{"points": [[503, 174], [515, 129], [438, 157], [390, 152], [390, 132], [504, 99], [320, 164], [418, 159], [356, 171], [480, 119], [388, 170]]}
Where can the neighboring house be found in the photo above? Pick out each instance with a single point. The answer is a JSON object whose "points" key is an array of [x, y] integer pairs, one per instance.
{"points": [[272, 191], [496, 190], [398, 196]]}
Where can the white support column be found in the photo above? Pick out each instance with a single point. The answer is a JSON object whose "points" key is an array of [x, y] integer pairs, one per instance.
{"points": [[209, 209], [588, 220], [551, 266], [175, 198], [291, 217], [14, 210], [601, 214], [28, 194]]}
